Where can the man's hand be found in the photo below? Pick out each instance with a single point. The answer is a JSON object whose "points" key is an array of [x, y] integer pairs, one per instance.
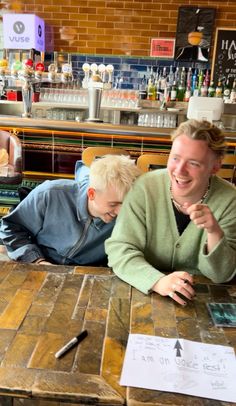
{"points": [[174, 283], [42, 261], [202, 217], [45, 263]]}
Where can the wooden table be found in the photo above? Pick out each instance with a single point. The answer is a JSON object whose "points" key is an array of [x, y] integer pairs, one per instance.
{"points": [[43, 307]]}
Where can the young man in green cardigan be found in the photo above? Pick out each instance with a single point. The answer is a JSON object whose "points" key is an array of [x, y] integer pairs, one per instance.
{"points": [[180, 220]]}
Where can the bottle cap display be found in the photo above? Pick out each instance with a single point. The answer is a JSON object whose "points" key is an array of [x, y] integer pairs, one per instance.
{"points": [[28, 62], [86, 67], [3, 63], [52, 67], [17, 65], [40, 67], [94, 67], [66, 68]]}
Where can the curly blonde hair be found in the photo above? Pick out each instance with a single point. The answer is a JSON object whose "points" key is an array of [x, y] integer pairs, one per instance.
{"points": [[203, 130]]}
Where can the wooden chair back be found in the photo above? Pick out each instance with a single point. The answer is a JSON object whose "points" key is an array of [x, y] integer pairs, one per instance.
{"points": [[91, 153], [148, 162], [228, 168]]}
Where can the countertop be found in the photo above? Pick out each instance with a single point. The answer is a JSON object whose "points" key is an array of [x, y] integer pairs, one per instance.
{"points": [[92, 127]]}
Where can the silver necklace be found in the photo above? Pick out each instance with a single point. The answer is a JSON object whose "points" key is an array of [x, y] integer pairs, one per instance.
{"points": [[179, 206]]}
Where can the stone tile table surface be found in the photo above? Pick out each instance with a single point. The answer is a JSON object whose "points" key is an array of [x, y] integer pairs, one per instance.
{"points": [[43, 307]]}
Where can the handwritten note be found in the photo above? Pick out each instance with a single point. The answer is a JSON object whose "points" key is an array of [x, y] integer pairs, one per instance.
{"points": [[182, 366]]}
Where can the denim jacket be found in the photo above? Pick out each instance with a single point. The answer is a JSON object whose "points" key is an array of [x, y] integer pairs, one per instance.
{"points": [[53, 222]]}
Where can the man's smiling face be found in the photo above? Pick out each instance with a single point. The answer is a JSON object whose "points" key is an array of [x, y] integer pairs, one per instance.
{"points": [[104, 204], [190, 165]]}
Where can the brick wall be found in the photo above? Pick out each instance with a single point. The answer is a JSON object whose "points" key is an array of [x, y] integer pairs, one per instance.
{"points": [[116, 27]]}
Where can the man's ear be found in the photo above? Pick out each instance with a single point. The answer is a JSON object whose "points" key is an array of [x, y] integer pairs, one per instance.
{"points": [[216, 166], [91, 193]]}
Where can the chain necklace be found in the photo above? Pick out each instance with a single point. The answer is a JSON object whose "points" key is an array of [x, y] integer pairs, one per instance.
{"points": [[179, 206]]}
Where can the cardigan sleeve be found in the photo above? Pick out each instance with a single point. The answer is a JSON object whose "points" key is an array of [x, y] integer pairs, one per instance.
{"points": [[220, 264], [126, 246]]}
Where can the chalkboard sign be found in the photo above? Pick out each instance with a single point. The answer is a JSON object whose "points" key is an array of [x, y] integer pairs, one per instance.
{"points": [[224, 55]]}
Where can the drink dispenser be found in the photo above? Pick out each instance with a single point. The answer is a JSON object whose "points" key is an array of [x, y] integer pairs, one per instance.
{"points": [[95, 88]]}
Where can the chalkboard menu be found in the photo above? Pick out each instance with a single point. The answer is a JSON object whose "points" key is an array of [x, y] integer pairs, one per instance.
{"points": [[224, 55]]}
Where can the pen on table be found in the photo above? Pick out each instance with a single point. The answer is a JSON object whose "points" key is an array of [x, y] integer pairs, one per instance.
{"points": [[72, 343]]}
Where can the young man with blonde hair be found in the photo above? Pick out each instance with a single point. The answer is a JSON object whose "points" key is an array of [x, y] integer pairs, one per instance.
{"points": [[67, 222], [178, 221]]}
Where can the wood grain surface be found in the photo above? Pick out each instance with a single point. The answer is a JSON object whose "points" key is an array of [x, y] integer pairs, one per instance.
{"points": [[43, 307]]}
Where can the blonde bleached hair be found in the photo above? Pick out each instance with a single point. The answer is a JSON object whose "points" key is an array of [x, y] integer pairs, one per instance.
{"points": [[117, 171], [205, 131]]}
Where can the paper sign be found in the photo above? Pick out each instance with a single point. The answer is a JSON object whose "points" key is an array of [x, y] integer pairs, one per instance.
{"points": [[182, 366], [162, 48]]}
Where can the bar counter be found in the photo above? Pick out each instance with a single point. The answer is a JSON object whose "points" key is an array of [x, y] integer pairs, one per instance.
{"points": [[51, 148], [43, 307], [92, 127]]}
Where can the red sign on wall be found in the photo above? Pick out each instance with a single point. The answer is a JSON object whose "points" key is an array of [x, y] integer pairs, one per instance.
{"points": [[162, 47]]}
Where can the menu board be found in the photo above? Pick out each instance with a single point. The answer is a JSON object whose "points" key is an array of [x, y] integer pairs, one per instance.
{"points": [[224, 55]]}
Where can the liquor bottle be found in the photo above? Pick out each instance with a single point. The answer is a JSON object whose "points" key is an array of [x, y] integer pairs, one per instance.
{"points": [[151, 90], [170, 77], [177, 76], [143, 89], [211, 90], [226, 92], [173, 92], [189, 77], [180, 91], [207, 78], [157, 85], [194, 83], [219, 89], [200, 80], [163, 80], [203, 90], [162, 83], [233, 93], [187, 93], [183, 76]]}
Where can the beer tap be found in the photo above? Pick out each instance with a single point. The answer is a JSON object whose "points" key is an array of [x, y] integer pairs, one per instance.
{"points": [[27, 77], [86, 69], [109, 70], [102, 71]]}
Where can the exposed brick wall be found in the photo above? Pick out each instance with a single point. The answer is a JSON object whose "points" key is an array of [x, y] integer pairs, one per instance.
{"points": [[116, 27]]}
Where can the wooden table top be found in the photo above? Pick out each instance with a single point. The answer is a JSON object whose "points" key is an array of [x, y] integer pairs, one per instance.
{"points": [[43, 307]]}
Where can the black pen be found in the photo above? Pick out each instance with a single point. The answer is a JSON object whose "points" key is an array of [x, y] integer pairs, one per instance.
{"points": [[72, 343]]}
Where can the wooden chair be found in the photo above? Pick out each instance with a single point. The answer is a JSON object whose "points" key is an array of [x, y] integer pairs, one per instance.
{"points": [[91, 153], [12, 145], [228, 168], [148, 162]]}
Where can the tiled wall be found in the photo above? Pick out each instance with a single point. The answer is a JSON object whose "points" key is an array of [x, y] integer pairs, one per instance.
{"points": [[113, 27], [128, 71], [117, 29]]}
